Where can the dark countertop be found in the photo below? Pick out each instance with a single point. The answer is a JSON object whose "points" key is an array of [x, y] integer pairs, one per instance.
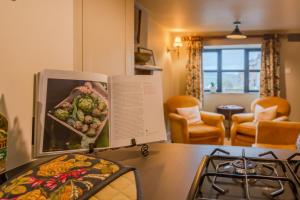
{"points": [[169, 170]]}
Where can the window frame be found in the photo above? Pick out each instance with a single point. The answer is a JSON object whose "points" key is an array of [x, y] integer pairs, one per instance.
{"points": [[219, 69]]}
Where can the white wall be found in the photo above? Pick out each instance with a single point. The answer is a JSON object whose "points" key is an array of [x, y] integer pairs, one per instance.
{"points": [[34, 35]]}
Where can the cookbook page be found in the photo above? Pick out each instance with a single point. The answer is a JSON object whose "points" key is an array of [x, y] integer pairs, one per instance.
{"points": [[136, 110], [71, 112]]}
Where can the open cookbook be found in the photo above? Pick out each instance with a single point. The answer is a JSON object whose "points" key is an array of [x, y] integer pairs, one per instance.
{"points": [[76, 109]]}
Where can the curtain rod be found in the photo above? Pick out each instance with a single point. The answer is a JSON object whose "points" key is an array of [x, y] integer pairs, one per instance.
{"points": [[201, 38]]}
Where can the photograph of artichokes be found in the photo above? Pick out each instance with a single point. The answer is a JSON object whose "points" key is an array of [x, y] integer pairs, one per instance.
{"points": [[77, 115]]}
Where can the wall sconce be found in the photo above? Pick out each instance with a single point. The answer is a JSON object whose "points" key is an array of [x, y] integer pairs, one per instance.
{"points": [[177, 44]]}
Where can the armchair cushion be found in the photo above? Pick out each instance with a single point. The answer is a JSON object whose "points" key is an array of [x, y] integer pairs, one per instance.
{"points": [[203, 130], [281, 119], [265, 114], [243, 117], [247, 128], [245, 140], [192, 114], [213, 119]]}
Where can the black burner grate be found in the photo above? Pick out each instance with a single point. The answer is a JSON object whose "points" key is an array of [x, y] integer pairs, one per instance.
{"points": [[294, 165], [241, 173]]}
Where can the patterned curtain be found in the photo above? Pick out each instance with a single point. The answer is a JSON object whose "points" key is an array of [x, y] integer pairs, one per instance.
{"points": [[270, 67], [194, 80]]}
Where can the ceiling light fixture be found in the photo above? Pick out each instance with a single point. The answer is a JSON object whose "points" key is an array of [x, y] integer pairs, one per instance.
{"points": [[236, 33]]}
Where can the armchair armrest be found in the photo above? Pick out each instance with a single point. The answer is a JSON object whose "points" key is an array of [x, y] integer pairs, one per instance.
{"points": [[179, 128], [178, 118], [236, 120], [242, 117], [277, 133], [213, 119], [281, 119], [271, 146]]}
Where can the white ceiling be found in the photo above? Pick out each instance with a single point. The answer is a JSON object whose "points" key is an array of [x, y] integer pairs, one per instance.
{"points": [[218, 15]]}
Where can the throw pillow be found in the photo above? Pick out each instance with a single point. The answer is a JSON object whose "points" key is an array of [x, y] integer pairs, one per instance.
{"points": [[192, 114], [264, 114]]}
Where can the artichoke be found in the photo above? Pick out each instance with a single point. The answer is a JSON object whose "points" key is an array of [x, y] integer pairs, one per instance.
{"points": [[67, 106], [103, 115], [96, 121], [80, 115], [94, 126], [102, 105], [88, 119], [78, 125], [96, 112], [86, 104], [85, 128], [94, 96], [61, 114]]}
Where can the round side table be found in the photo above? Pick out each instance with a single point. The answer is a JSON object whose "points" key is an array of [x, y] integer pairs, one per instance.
{"points": [[228, 111]]}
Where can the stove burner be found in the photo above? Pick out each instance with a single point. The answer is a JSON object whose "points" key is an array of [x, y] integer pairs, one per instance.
{"points": [[294, 165], [239, 167], [259, 177]]}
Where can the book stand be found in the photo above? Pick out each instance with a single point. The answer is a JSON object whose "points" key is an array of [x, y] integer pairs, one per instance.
{"points": [[144, 148]]}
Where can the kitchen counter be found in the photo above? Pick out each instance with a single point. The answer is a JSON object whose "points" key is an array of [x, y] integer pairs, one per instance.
{"points": [[169, 170]]}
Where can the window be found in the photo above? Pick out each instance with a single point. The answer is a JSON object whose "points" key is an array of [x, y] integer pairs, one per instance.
{"points": [[232, 70]]}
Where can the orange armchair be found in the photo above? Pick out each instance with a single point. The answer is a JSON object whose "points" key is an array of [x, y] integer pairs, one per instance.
{"points": [[243, 129], [209, 131], [281, 135]]}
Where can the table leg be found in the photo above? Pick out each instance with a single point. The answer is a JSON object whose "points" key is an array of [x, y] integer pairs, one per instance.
{"points": [[229, 124]]}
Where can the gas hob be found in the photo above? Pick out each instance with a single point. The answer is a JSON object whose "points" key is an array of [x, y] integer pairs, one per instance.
{"points": [[222, 176]]}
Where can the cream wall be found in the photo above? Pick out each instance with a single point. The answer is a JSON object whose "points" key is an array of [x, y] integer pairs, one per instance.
{"points": [[107, 43], [156, 37], [211, 101], [290, 61], [34, 35], [158, 40]]}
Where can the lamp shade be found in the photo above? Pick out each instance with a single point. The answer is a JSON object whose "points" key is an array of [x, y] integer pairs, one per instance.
{"points": [[177, 42], [236, 33]]}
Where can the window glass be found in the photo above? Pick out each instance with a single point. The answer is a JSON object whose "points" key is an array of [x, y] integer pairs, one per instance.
{"points": [[254, 59], [210, 60], [233, 59], [254, 81], [233, 82], [238, 69], [210, 77]]}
